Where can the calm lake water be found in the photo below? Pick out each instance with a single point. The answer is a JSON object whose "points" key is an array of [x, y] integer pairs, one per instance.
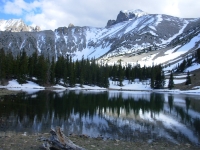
{"points": [[131, 116]]}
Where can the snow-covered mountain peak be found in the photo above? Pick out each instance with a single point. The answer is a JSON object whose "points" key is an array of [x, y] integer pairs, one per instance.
{"points": [[15, 22], [137, 12], [16, 25]]}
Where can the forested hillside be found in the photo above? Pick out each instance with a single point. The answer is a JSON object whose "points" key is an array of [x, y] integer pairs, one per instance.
{"points": [[67, 72]]}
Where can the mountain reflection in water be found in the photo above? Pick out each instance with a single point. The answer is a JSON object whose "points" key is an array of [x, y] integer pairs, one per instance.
{"points": [[119, 115]]}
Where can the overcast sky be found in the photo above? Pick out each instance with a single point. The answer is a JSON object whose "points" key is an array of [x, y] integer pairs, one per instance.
{"points": [[51, 14]]}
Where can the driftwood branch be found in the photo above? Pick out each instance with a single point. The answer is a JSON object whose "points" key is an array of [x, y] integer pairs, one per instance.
{"points": [[59, 141]]}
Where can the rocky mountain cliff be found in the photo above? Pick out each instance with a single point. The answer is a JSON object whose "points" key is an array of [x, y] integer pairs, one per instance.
{"points": [[126, 15], [131, 34]]}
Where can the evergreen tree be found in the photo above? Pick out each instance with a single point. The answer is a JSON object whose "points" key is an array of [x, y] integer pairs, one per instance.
{"points": [[32, 65], [71, 75], [82, 72], [188, 79], [182, 66], [43, 70], [144, 74], [171, 81], [152, 77], [59, 72], [88, 77], [66, 70], [189, 61], [114, 73], [94, 72], [77, 71], [132, 74], [100, 76], [128, 73], [198, 55], [159, 81], [120, 73], [16, 67], [23, 67], [9, 65], [106, 75], [2, 64], [52, 72]]}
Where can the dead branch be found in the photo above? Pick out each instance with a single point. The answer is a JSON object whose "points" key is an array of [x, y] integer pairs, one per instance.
{"points": [[59, 141]]}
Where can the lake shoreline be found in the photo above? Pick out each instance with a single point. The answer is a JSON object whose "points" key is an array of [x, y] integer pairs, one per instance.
{"points": [[25, 141], [5, 91], [31, 87]]}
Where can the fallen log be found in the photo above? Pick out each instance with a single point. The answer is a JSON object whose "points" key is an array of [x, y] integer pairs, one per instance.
{"points": [[58, 141]]}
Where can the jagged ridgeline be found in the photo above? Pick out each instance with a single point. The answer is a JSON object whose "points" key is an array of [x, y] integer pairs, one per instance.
{"points": [[132, 33]]}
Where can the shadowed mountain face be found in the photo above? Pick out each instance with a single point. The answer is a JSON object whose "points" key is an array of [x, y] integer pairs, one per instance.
{"points": [[133, 32]]}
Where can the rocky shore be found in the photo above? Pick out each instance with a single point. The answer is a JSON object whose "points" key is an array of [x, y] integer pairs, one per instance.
{"points": [[32, 142], [8, 92]]}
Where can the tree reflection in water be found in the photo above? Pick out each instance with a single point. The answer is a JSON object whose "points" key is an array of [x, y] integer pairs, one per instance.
{"points": [[114, 115]]}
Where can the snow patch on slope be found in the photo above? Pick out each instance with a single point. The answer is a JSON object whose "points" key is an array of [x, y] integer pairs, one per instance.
{"points": [[134, 23], [91, 52], [111, 31], [159, 19], [171, 50], [171, 54], [190, 45]]}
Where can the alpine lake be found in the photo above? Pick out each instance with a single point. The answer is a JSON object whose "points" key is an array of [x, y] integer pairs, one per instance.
{"points": [[123, 115]]}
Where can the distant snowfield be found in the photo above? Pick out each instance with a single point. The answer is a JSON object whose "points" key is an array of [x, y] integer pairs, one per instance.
{"points": [[91, 52], [32, 87], [170, 56]]}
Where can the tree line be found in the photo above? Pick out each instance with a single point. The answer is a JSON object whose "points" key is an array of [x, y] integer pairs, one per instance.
{"points": [[47, 71], [188, 61]]}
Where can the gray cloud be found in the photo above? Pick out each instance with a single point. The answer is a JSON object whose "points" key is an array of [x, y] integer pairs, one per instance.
{"points": [[95, 13]]}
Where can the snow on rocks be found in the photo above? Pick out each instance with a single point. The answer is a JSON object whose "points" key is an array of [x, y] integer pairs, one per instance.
{"points": [[31, 87], [14, 84]]}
